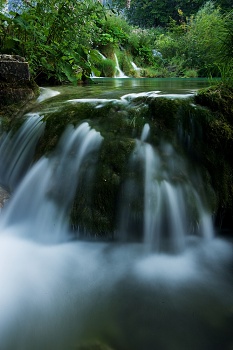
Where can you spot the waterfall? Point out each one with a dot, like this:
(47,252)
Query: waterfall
(101,55)
(53,182)
(119,73)
(58,292)
(17,150)
(135,67)
(172,209)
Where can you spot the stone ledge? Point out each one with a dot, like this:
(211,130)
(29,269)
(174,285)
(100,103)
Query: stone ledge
(13,68)
(16,88)
(14,71)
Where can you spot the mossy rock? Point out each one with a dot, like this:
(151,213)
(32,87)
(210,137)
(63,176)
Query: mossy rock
(16,98)
(96,214)
(16,88)
(218,98)
(218,147)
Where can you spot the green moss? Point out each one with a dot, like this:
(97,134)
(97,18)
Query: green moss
(164,113)
(217,146)
(219,99)
(94,209)
(99,215)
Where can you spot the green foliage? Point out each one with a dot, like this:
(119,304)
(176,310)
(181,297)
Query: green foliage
(113,32)
(190,73)
(61,40)
(196,44)
(55,36)
(203,39)
(226,59)
(168,45)
(140,45)
(151,13)
(227,43)
(226,72)
(109,68)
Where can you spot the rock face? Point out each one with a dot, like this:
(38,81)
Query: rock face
(13,69)
(16,88)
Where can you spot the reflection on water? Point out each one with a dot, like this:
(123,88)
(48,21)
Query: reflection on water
(117,87)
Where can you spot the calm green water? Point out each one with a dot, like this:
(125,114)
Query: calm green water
(117,87)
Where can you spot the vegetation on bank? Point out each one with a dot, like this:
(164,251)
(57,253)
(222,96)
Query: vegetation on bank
(68,41)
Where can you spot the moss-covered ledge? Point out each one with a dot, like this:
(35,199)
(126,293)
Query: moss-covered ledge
(17,89)
(218,99)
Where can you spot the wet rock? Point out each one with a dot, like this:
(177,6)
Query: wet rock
(4,196)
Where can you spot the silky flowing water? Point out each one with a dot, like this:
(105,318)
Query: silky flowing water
(171,290)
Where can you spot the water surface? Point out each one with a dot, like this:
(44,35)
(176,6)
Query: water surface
(117,87)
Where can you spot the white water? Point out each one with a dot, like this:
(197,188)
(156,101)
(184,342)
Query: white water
(52,182)
(172,208)
(135,67)
(16,151)
(119,72)
(56,293)
(46,93)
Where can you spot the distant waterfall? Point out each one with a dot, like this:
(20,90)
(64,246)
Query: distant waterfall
(135,67)
(119,72)
(163,203)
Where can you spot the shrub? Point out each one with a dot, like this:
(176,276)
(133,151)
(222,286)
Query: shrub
(190,73)
(203,40)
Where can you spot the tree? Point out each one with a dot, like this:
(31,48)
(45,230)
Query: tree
(152,13)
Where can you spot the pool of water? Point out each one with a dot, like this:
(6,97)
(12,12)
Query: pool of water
(108,88)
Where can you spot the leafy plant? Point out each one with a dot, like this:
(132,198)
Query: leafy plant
(55,36)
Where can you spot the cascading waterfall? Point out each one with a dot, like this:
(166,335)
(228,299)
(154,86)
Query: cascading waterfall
(52,198)
(16,151)
(63,294)
(172,209)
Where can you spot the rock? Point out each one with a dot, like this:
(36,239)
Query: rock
(16,87)
(13,68)
(4,196)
